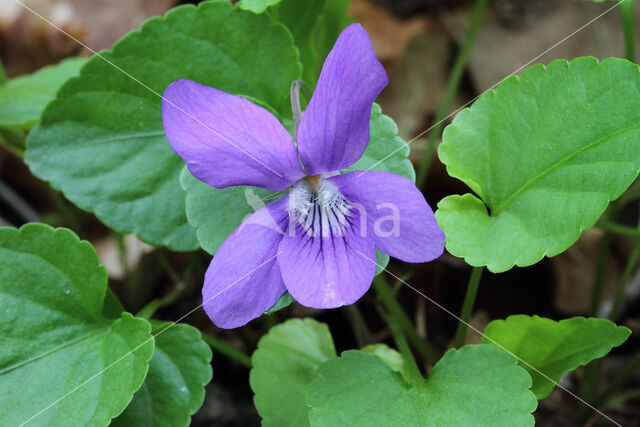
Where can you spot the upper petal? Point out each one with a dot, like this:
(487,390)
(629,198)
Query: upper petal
(226,139)
(326,268)
(243,279)
(403,223)
(334,130)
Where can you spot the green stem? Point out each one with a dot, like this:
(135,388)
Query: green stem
(13,139)
(175,294)
(3,74)
(410,364)
(619,229)
(358,324)
(467,306)
(618,381)
(601,263)
(68,216)
(227,350)
(451,89)
(17,203)
(601,268)
(626,10)
(149,310)
(426,352)
(626,275)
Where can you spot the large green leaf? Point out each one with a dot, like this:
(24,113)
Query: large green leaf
(386,150)
(23,99)
(476,385)
(174,387)
(549,348)
(102,142)
(545,153)
(283,366)
(302,19)
(215,213)
(61,362)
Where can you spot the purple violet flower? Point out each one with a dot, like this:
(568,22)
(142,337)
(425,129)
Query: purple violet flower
(318,242)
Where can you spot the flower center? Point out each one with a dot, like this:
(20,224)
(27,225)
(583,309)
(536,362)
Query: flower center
(319,208)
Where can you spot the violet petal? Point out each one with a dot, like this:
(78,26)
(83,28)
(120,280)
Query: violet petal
(228,140)
(415,236)
(334,130)
(243,279)
(329,271)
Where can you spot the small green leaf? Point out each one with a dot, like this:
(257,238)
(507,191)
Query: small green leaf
(283,366)
(54,338)
(256,6)
(174,387)
(215,213)
(544,153)
(554,348)
(102,141)
(386,150)
(22,99)
(476,385)
(390,356)
(285,301)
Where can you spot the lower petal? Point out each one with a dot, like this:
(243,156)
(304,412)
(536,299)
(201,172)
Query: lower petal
(328,269)
(402,222)
(243,280)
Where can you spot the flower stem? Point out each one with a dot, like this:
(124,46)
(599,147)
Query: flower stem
(626,10)
(618,381)
(601,263)
(227,350)
(358,325)
(626,275)
(410,365)
(619,229)
(467,306)
(450,91)
(179,287)
(426,352)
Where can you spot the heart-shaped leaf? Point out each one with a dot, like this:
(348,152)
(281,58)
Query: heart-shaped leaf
(102,141)
(554,348)
(476,385)
(283,366)
(61,362)
(545,153)
(22,99)
(174,387)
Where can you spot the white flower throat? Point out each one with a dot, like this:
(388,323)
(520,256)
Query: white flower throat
(319,208)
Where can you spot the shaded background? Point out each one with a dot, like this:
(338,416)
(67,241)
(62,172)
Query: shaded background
(417,41)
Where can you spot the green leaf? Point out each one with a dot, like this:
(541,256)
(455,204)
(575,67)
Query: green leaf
(256,6)
(386,150)
(215,213)
(390,356)
(545,153)
(334,18)
(283,366)
(174,387)
(476,385)
(22,99)
(302,19)
(554,348)
(54,338)
(102,141)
